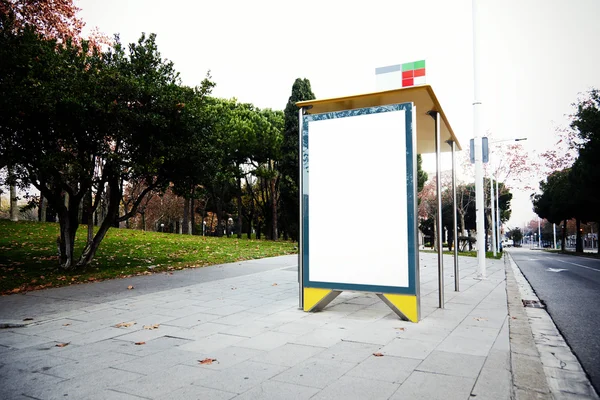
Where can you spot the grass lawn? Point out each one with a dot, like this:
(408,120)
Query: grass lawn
(29,260)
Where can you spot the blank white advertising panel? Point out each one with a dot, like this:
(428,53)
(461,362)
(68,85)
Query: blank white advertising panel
(358,200)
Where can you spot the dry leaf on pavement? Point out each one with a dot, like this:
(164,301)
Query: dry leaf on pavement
(207,361)
(130,287)
(400,329)
(139,343)
(378,354)
(151,327)
(479,319)
(66,324)
(125,324)
(274,284)
(62,344)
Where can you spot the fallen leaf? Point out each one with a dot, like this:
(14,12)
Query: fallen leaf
(378,354)
(125,324)
(274,284)
(130,287)
(62,344)
(139,343)
(401,329)
(151,327)
(479,319)
(27,319)
(66,324)
(514,317)
(207,361)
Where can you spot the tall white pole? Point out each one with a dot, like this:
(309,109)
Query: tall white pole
(498,220)
(477,130)
(554,229)
(493,212)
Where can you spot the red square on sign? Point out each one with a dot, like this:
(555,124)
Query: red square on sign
(407,82)
(419,72)
(407,74)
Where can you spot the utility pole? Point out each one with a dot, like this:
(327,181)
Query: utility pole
(480,224)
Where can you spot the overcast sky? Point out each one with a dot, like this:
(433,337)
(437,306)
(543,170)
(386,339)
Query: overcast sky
(538,55)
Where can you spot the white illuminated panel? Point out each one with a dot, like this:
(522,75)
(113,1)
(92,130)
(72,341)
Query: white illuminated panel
(358,200)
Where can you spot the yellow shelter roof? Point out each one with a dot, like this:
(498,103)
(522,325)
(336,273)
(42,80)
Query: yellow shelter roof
(423,98)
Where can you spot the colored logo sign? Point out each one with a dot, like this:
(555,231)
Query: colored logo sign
(413,73)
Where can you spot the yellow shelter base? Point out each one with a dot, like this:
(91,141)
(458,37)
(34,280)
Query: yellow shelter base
(316,299)
(405,306)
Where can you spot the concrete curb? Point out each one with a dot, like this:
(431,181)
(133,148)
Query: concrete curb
(542,363)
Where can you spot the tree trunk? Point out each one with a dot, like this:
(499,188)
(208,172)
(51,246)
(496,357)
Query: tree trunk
(578,240)
(43,208)
(469,236)
(186,216)
(239,207)
(274,209)
(193,215)
(114,197)
(14,209)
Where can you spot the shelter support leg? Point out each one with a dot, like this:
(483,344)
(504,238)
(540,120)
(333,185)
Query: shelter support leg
(405,306)
(316,299)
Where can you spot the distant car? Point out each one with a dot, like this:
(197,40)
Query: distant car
(508,243)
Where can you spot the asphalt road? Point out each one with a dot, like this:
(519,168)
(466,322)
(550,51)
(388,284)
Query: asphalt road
(570,288)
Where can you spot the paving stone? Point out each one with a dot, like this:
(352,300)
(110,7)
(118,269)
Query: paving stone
(273,390)
(429,386)
(196,392)
(409,348)
(225,357)
(321,337)
(528,373)
(267,341)
(473,345)
(241,377)
(212,343)
(388,368)
(493,384)
(357,388)
(455,364)
(158,361)
(351,352)
(165,381)
(288,355)
(315,372)
(523,394)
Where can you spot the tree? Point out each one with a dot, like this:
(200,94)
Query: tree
(75,121)
(516,235)
(288,166)
(555,202)
(585,173)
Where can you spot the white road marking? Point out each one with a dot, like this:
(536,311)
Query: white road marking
(579,265)
(556,269)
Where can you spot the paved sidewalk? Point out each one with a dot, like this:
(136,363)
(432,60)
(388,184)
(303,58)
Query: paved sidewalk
(264,347)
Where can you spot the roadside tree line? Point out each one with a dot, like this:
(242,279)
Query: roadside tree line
(101,132)
(570,191)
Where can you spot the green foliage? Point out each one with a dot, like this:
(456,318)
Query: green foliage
(288,166)
(421,175)
(516,235)
(28,258)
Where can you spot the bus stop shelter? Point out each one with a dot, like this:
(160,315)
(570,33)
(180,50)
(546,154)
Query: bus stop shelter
(358,195)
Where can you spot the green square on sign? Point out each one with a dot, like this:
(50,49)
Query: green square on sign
(419,64)
(408,66)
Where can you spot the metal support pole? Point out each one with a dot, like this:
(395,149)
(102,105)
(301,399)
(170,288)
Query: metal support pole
(454,218)
(498,219)
(477,130)
(301,216)
(438,162)
(554,229)
(493,212)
